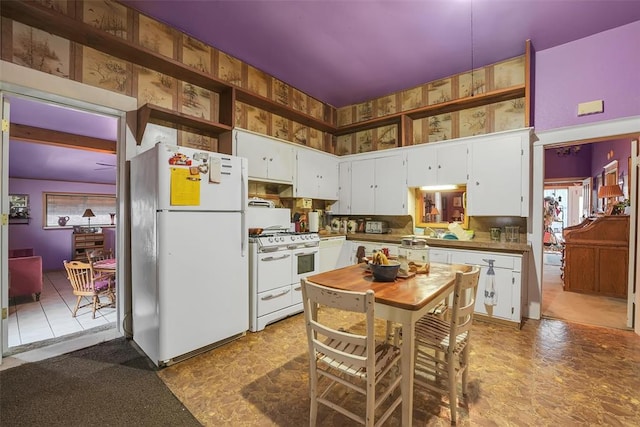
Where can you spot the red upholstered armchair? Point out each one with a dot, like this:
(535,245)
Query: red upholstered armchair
(25,274)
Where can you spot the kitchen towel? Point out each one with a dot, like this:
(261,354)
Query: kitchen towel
(314,220)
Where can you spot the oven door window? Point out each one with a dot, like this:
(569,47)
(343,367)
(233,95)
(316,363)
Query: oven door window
(305,263)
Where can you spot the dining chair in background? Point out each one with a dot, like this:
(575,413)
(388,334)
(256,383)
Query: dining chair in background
(100,255)
(339,357)
(442,342)
(87,284)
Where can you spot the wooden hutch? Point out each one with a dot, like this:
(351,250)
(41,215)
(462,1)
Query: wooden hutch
(596,256)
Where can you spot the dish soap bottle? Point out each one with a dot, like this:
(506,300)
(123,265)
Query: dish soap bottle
(490,294)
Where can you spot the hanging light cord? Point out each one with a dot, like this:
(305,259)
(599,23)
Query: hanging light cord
(472,83)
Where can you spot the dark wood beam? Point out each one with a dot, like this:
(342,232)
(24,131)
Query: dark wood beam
(62,139)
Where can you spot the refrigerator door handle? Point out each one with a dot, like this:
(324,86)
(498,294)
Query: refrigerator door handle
(244,232)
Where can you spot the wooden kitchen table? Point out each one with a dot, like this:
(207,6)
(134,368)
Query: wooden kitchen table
(403,301)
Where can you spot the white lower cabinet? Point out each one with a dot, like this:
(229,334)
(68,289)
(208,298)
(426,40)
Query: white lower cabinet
(440,256)
(369,247)
(499,288)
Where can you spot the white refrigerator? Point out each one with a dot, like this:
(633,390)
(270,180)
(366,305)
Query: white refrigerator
(189,251)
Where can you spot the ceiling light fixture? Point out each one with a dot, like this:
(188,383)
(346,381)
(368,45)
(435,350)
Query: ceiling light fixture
(568,151)
(438,187)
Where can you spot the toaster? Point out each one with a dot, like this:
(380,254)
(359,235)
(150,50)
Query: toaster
(376,227)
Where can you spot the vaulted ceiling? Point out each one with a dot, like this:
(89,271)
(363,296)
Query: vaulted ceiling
(348,51)
(338,51)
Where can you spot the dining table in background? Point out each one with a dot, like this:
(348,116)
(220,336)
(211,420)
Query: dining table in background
(403,301)
(105,266)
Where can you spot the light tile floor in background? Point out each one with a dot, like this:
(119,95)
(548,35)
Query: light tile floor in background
(32,321)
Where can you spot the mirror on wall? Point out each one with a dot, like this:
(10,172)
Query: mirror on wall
(436,209)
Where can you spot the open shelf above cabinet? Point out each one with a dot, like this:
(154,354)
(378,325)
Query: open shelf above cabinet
(64,26)
(149,113)
(436,109)
(283,111)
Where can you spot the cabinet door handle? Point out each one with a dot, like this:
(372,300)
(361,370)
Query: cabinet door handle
(477,183)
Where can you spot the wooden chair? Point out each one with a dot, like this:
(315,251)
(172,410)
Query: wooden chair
(355,361)
(442,345)
(86,283)
(100,255)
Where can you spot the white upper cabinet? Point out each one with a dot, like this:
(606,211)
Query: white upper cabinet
(379,186)
(317,175)
(437,164)
(269,159)
(499,175)
(343,205)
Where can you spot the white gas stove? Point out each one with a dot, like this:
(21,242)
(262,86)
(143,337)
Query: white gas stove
(278,260)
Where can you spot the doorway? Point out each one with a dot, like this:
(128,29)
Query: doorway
(75,168)
(51,90)
(568,201)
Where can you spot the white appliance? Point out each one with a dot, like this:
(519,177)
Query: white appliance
(330,250)
(189,251)
(278,260)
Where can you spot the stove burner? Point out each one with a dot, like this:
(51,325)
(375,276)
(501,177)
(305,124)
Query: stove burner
(285,239)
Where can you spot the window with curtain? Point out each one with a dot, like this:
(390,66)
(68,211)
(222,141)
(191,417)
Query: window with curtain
(73,205)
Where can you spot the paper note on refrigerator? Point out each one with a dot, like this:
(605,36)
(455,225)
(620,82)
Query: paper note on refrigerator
(215,171)
(185,188)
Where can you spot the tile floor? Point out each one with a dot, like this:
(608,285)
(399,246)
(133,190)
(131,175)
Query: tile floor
(33,321)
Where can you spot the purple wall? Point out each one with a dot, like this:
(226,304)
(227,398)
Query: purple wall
(603,66)
(589,161)
(54,245)
(576,165)
(621,152)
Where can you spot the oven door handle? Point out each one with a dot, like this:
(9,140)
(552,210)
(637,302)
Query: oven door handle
(272,296)
(273,249)
(274,258)
(306,253)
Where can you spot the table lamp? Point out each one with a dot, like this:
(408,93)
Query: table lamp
(434,214)
(88,213)
(609,192)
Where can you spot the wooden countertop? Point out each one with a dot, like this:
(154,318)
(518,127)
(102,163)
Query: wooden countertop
(411,293)
(479,242)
